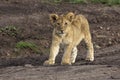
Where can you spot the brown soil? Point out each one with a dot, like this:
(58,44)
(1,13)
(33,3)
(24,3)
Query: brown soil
(32,25)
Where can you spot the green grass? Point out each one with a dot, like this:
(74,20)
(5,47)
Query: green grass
(27,45)
(57,1)
(9,30)
(69,1)
(109,2)
(77,1)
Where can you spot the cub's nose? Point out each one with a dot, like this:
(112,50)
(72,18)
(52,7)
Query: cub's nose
(62,31)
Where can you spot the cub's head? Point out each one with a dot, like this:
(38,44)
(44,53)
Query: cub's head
(62,23)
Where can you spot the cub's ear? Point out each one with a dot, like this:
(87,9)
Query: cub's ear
(53,18)
(70,16)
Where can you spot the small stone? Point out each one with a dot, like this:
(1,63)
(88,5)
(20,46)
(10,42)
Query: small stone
(8,54)
(109,42)
(112,34)
(28,65)
(97,46)
(101,36)
(108,28)
(101,27)
(118,34)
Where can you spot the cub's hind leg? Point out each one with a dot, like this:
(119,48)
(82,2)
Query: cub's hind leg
(74,55)
(90,53)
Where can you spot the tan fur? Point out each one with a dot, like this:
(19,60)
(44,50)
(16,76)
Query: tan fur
(69,30)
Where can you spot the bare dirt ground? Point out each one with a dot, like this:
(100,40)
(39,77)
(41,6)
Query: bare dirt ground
(32,25)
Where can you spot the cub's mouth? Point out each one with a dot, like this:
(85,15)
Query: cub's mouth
(60,32)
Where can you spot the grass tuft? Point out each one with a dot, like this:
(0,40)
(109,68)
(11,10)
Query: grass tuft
(9,30)
(24,45)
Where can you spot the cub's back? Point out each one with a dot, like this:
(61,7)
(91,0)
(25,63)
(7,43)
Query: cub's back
(81,23)
(80,27)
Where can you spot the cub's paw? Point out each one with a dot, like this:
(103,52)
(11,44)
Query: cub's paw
(90,59)
(48,62)
(65,62)
(72,61)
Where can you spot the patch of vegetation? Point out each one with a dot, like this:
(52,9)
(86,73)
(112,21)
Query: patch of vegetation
(9,30)
(109,2)
(57,1)
(29,45)
(76,1)
(69,1)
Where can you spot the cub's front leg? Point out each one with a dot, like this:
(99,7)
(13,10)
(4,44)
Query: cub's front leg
(54,49)
(66,60)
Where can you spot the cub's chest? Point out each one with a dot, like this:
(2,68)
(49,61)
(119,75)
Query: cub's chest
(66,40)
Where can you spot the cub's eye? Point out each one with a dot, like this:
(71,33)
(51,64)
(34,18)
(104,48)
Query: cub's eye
(65,23)
(58,23)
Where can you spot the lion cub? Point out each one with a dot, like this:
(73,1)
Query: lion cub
(69,30)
